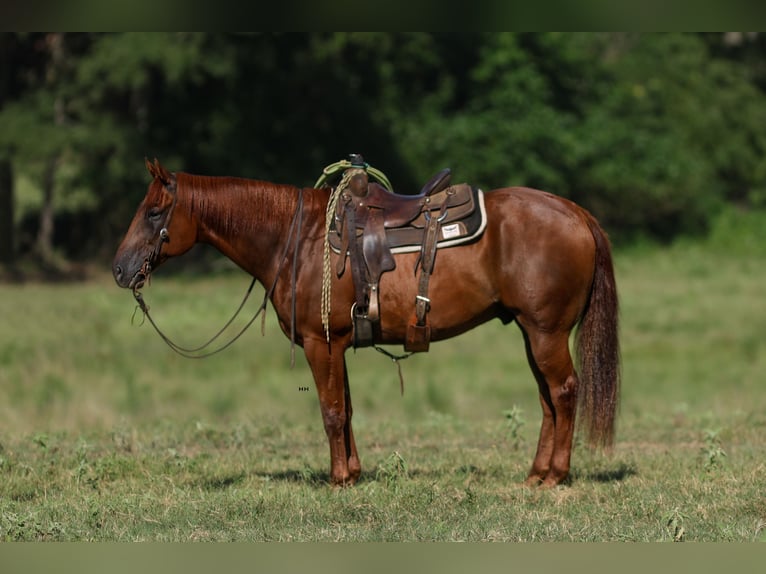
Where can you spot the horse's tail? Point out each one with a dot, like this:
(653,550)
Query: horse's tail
(598,348)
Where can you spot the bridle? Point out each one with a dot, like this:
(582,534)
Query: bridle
(162,238)
(199,352)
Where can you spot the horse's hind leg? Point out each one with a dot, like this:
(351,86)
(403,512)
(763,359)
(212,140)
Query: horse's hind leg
(331,378)
(551,363)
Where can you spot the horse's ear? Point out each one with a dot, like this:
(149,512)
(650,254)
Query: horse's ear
(158,171)
(150,168)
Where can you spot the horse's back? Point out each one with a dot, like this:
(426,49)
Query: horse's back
(523,205)
(529,217)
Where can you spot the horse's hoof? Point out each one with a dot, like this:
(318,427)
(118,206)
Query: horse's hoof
(554,481)
(343,482)
(533,481)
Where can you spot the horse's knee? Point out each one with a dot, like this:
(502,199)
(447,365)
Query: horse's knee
(334,420)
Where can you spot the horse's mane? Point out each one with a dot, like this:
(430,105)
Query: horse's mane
(234,205)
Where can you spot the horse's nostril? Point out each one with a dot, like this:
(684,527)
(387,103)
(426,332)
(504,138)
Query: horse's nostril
(117,271)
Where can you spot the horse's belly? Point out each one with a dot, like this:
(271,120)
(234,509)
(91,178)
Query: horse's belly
(461,293)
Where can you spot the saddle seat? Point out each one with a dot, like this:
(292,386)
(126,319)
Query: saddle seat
(396,209)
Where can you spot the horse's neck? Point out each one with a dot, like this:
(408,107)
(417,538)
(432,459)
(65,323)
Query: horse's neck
(248,221)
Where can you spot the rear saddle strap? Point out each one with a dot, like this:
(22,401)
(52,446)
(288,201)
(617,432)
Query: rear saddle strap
(418,337)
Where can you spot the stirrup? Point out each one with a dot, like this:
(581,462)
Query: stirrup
(362,328)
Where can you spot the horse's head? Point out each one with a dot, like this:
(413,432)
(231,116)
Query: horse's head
(158,231)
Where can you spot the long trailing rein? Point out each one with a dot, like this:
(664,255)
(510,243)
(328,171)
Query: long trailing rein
(197,352)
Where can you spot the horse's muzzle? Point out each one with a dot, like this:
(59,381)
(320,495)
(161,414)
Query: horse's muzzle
(127,281)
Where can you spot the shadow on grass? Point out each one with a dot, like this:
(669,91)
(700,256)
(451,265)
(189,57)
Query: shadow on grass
(220,482)
(313,477)
(306,476)
(617,474)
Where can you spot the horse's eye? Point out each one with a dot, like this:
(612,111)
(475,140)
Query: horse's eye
(154,214)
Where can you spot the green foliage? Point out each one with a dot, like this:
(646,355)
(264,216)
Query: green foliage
(674,521)
(711,451)
(634,127)
(652,132)
(515,421)
(736,230)
(392,470)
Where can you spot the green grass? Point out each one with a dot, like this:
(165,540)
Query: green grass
(105,434)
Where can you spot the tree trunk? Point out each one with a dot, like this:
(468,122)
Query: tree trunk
(6,212)
(7,45)
(45,230)
(47,213)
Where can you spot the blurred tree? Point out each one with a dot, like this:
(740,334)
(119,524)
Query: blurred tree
(640,167)
(652,132)
(135,96)
(55,70)
(7,58)
(675,137)
(34,124)
(647,130)
(740,62)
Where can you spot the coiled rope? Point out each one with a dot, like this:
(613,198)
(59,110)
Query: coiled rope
(349,171)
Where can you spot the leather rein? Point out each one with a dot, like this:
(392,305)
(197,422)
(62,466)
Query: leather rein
(200,351)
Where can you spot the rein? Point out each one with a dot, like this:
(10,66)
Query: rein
(197,352)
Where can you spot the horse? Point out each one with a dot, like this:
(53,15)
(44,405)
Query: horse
(543,262)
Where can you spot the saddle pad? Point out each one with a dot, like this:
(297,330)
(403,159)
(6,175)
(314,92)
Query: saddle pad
(452,232)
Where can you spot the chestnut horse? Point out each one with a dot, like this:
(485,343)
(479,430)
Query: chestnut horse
(543,262)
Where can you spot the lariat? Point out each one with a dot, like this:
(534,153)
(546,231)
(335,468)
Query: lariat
(326,266)
(351,168)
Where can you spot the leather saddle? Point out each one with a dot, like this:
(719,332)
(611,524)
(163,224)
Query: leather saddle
(372,223)
(399,210)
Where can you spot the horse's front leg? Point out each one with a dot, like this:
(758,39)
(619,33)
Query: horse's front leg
(328,364)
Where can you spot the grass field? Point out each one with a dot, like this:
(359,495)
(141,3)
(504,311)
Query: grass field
(105,434)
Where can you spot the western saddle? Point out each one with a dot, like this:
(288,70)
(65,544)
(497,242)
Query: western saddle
(371,223)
